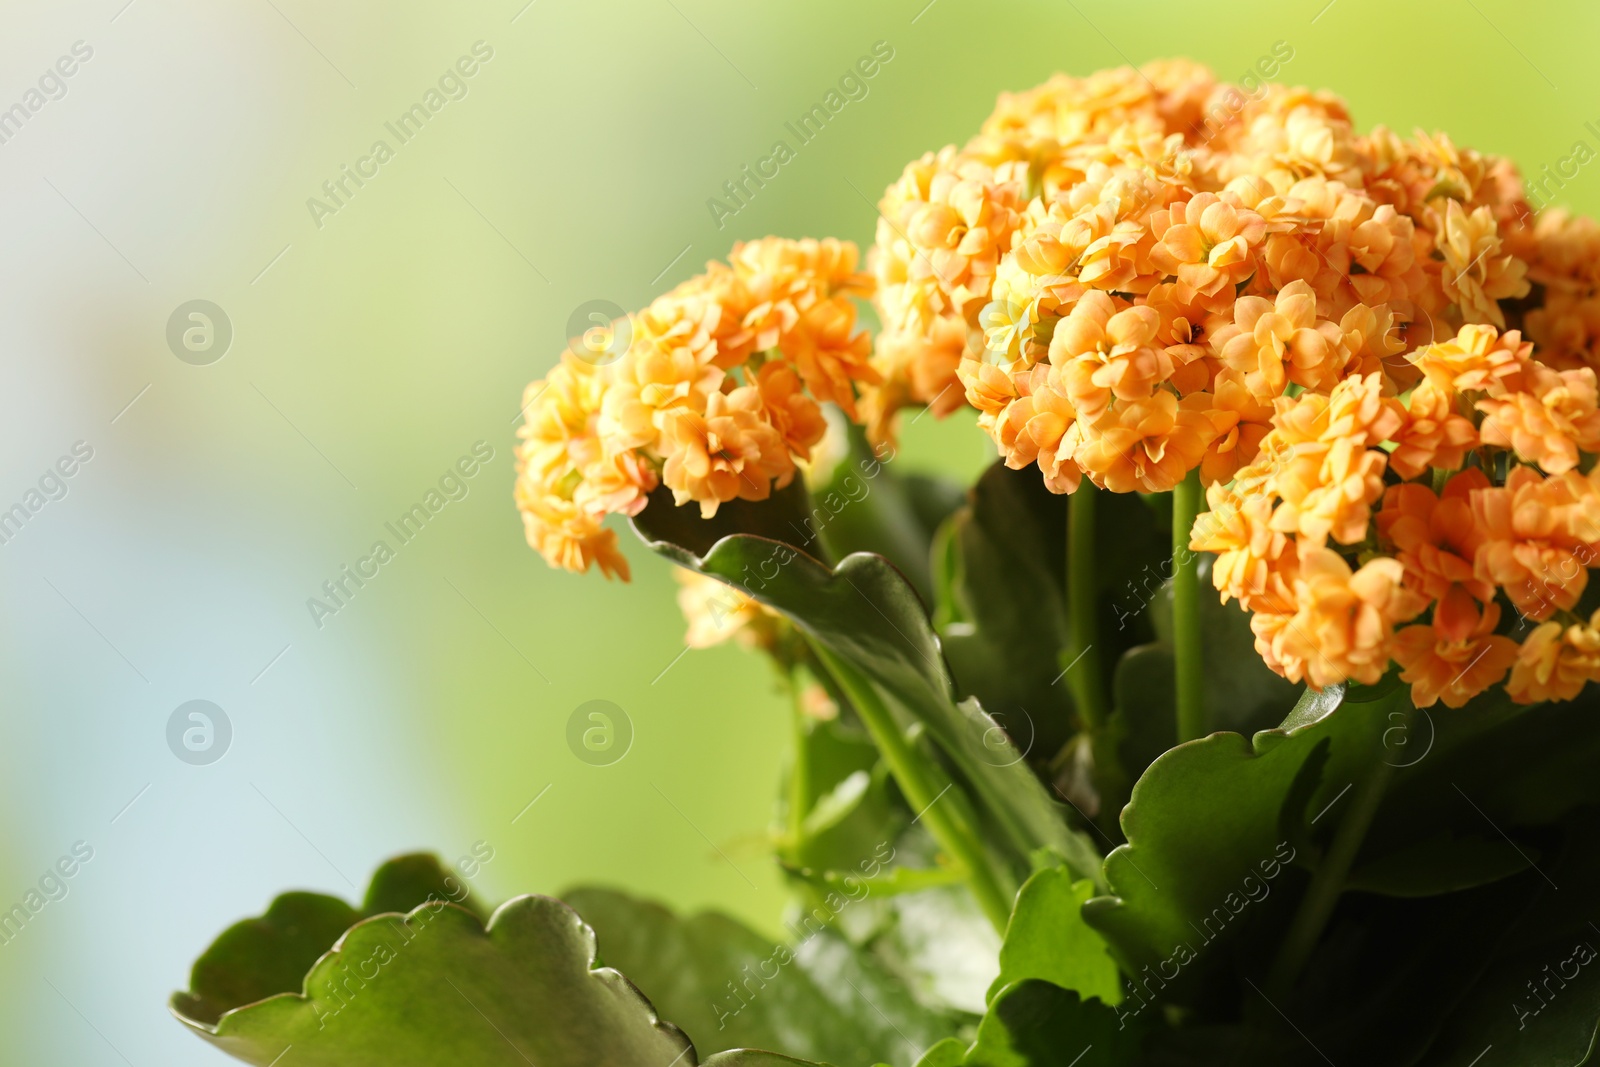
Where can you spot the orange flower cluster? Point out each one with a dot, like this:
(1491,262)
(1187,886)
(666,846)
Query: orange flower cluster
(1123,273)
(1375,356)
(1144,273)
(1502,516)
(717,396)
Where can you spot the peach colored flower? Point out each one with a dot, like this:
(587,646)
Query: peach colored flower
(567,536)
(796,417)
(1436,538)
(915,369)
(1042,427)
(1453,669)
(1273,342)
(1208,243)
(831,357)
(1255,564)
(1330,471)
(1433,434)
(1146,445)
(717,612)
(1104,352)
(1529,545)
(1476,275)
(1556,661)
(647,384)
(1477,360)
(1342,627)
(1550,422)
(942,229)
(1242,423)
(730,452)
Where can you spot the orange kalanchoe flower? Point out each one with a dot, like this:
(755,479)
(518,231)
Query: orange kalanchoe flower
(1433,434)
(717,612)
(1342,627)
(1454,669)
(1436,538)
(1556,662)
(1105,352)
(1477,360)
(717,396)
(1535,539)
(1550,422)
(1209,243)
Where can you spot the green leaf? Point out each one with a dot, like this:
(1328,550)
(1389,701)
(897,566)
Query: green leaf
(430,986)
(867,506)
(1442,863)
(256,958)
(1048,939)
(1012,537)
(1209,833)
(435,986)
(852,807)
(951,1052)
(865,613)
(1539,1003)
(406,881)
(728,987)
(1036,1024)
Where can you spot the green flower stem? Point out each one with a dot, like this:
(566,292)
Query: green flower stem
(1082,664)
(1316,907)
(918,780)
(1186,627)
(799,768)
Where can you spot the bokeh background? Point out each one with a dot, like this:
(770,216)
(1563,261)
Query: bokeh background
(370,352)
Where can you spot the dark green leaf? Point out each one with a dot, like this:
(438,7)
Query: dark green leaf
(1539,1003)
(259,957)
(1208,835)
(256,958)
(1048,939)
(436,987)
(728,987)
(1036,1024)
(866,613)
(406,881)
(867,506)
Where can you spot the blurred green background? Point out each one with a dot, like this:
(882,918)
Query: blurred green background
(372,351)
